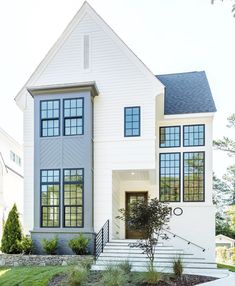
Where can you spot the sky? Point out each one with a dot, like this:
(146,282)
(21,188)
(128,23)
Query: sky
(169,36)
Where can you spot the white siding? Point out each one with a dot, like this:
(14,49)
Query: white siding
(122,81)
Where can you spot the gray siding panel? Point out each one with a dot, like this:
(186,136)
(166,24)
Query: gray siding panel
(65,152)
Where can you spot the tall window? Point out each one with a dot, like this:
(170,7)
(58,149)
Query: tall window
(73,116)
(132,121)
(73,197)
(169,136)
(194,135)
(170,177)
(50,198)
(194,176)
(50,118)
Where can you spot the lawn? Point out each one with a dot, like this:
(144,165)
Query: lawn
(229,267)
(29,276)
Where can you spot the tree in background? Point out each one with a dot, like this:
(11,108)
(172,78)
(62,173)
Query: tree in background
(224,199)
(227,144)
(12,233)
(233,6)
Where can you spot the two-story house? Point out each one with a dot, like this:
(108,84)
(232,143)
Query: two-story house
(101,130)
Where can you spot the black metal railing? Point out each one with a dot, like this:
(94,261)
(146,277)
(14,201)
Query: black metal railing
(101,238)
(188,242)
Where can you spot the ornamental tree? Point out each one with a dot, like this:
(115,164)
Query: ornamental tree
(151,218)
(12,233)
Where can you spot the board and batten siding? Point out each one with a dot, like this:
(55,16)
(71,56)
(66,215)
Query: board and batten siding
(122,80)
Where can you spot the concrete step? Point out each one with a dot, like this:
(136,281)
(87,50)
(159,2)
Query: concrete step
(140,252)
(127,241)
(105,256)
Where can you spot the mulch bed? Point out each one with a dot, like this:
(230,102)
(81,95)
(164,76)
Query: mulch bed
(94,277)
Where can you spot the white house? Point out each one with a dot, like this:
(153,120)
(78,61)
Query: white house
(101,130)
(223,240)
(11,176)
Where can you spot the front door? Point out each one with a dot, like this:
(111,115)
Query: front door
(130,199)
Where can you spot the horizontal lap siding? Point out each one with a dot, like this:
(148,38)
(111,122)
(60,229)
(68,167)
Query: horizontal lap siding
(121,82)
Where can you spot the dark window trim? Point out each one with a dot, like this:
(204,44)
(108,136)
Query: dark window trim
(47,119)
(63,205)
(41,170)
(179,177)
(160,127)
(204,134)
(139,107)
(74,117)
(204,161)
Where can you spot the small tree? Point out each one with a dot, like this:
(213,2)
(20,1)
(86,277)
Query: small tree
(12,233)
(151,218)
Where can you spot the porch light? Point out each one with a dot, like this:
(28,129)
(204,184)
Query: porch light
(132,173)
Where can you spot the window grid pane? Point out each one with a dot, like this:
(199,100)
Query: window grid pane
(170,177)
(73,197)
(194,135)
(194,169)
(132,121)
(50,198)
(169,136)
(50,113)
(73,116)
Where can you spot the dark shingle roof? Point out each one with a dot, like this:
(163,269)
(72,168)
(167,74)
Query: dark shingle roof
(187,93)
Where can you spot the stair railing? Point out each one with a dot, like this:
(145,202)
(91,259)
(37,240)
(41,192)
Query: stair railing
(101,238)
(188,242)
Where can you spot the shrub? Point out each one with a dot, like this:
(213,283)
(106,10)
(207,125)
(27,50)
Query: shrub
(125,266)
(221,253)
(50,245)
(27,245)
(178,267)
(151,276)
(114,276)
(79,244)
(77,276)
(12,233)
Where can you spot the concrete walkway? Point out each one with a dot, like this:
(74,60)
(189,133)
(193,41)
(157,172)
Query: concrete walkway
(227,281)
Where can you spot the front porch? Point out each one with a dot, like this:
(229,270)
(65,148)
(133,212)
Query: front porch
(128,186)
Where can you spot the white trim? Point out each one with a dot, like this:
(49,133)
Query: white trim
(188,115)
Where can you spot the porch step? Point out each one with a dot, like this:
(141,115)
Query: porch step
(117,251)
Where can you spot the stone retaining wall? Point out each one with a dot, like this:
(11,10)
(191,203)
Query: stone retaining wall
(41,260)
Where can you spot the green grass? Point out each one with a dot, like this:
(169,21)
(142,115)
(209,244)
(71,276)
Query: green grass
(229,267)
(29,276)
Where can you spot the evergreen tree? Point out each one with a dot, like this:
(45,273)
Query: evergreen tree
(12,233)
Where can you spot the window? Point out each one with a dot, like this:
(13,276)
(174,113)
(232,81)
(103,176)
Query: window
(15,158)
(50,198)
(132,121)
(194,135)
(73,197)
(169,136)
(50,118)
(73,116)
(194,168)
(170,177)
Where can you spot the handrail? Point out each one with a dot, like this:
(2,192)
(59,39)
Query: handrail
(189,242)
(101,238)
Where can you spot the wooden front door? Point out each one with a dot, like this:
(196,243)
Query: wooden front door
(130,199)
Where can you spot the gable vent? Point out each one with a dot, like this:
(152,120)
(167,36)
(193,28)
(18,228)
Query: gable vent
(86,51)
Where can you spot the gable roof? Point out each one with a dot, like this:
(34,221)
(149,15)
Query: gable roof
(187,93)
(85,9)
(225,237)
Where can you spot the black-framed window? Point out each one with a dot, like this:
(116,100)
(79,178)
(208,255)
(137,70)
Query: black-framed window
(73,197)
(73,116)
(50,118)
(194,135)
(132,121)
(50,198)
(169,177)
(194,176)
(169,136)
